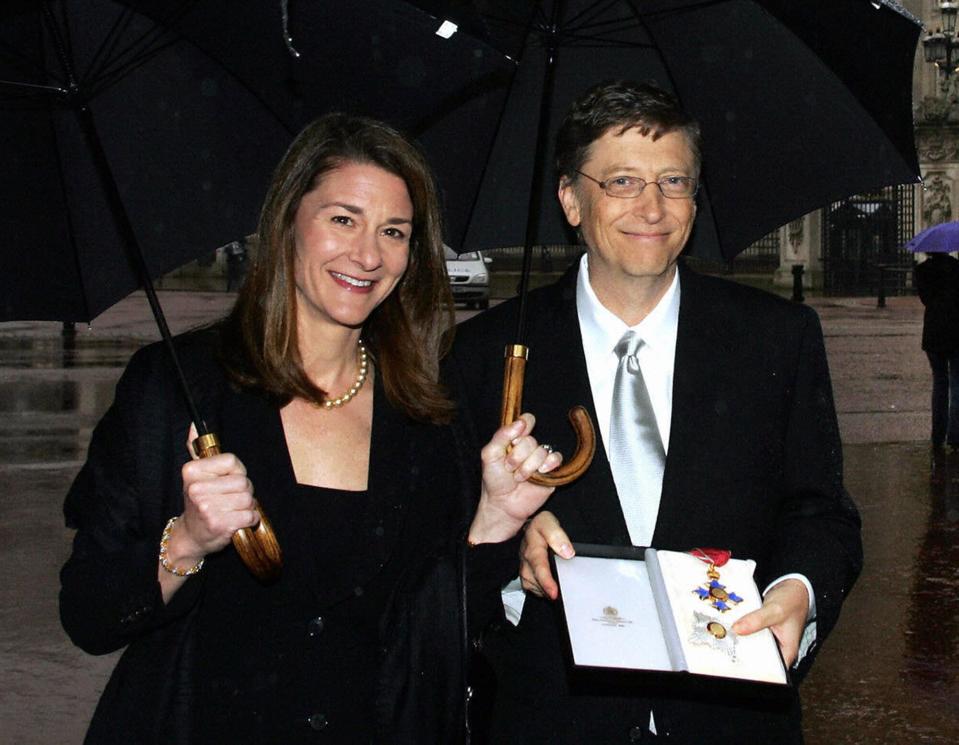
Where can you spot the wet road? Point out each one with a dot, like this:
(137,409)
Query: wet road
(888,673)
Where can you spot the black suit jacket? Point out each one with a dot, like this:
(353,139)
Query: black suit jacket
(754,464)
(110,597)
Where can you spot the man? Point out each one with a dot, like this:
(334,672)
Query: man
(937,280)
(742,423)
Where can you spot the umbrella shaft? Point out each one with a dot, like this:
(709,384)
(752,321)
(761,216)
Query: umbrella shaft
(536,183)
(134,253)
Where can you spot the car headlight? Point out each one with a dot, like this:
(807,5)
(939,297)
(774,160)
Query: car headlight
(480,279)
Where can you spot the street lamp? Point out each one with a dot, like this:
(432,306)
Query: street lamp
(941,48)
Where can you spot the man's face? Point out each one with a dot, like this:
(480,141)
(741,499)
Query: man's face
(638,238)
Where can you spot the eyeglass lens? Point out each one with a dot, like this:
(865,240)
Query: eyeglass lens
(673,187)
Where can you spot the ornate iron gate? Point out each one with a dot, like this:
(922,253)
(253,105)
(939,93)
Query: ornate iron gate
(863,234)
(761,256)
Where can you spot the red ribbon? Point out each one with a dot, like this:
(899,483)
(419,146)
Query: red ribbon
(715,556)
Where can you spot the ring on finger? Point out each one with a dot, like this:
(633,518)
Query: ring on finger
(548,448)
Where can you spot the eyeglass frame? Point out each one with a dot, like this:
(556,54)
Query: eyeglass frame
(645,183)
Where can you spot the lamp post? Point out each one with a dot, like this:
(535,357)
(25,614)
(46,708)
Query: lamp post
(941,47)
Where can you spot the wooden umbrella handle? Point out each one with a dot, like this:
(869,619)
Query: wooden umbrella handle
(514,373)
(257,547)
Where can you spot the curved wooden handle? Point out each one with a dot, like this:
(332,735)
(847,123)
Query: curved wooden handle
(576,466)
(514,373)
(257,547)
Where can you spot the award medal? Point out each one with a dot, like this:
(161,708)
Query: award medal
(713,633)
(712,590)
(709,630)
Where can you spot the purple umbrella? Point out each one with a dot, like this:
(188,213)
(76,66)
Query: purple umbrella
(942,238)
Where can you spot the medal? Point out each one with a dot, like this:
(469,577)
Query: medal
(712,590)
(712,632)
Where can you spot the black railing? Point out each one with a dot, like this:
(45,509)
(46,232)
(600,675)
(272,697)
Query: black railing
(545,258)
(893,279)
(864,232)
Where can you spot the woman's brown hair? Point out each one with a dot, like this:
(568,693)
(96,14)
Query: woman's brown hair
(406,334)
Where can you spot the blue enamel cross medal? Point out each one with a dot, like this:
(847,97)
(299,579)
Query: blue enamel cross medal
(712,590)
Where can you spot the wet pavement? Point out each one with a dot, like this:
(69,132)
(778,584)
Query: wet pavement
(888,674)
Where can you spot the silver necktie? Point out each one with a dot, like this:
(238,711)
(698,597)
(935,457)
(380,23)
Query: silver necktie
(636,454)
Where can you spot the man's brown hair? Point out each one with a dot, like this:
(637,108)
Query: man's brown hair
(621,105)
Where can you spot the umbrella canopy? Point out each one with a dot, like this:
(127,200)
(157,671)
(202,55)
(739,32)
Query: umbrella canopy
(791,118)
(942,238)
(166,119)
(192,103)
(133,147)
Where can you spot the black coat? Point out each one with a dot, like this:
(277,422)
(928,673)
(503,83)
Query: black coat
(110,597)
(754,464)
(937,280)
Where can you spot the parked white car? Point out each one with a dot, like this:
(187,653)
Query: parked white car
(469,277)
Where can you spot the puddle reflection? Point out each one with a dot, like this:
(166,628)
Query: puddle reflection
(932,630)
(888,672)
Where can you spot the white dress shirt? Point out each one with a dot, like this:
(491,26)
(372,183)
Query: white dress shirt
(601,330)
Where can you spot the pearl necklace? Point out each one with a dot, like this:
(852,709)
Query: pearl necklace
(357,384)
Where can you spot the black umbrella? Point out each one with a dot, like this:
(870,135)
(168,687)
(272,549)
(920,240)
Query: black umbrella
(192,103)
(390,59)
(140,135)
(794,113)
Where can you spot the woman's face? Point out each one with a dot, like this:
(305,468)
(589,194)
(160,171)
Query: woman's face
(352,233)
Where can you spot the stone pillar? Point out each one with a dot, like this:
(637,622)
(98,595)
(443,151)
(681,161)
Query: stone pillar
(937,142)
(800,242)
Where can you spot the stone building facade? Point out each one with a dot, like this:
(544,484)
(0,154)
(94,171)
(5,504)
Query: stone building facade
(936,104)
(841,261)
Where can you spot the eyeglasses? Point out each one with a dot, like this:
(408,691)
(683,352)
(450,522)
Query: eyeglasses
(628,187)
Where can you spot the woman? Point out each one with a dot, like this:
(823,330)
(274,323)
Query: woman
(323,385)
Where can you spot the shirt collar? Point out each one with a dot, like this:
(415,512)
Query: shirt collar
(602,329)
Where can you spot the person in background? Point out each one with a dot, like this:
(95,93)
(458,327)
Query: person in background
(322,384)
(937,280)
(236,261)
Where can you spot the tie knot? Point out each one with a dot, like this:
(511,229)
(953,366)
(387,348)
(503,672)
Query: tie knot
(628,345)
